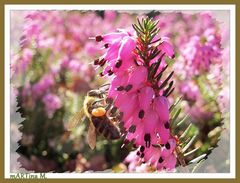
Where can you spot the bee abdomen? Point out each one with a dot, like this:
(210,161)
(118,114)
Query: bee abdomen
(106,128)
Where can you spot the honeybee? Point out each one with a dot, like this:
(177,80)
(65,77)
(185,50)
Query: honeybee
(103,117)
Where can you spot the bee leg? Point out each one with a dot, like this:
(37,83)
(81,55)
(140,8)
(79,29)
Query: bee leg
(104,85)
(108,106)
(97,101)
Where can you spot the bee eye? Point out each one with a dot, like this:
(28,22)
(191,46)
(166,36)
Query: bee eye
(98,112)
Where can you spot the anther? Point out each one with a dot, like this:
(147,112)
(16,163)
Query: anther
(142,148)
(167,145)
(138,153)
(120,88)
(142,155)
(110,72)
(102,62)
(147,139)
(96,62)
(99,38)
(101,74)
(141,114)
(134,146)
(132,129)
(166,125)
(118,64)
(106,45)
(128,88)
(126,141)
(160,160)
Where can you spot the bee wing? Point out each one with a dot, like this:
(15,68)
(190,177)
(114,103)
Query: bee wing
(75,120)
(91,136)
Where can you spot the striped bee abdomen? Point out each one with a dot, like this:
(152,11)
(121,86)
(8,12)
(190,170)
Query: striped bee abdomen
(106,128)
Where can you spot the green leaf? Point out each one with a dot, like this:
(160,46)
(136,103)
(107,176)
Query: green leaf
(182,121)
(199,158)
(189,143)
(175,104)
(175,116)
(185,133)
(140,25)
(191,152)
(166,92)
(166,80)
(198,165)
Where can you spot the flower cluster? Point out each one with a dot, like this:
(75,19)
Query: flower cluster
(196,38)
(136,64)
(201,43)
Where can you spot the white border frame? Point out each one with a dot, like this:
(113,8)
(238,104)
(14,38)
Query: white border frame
(177,7)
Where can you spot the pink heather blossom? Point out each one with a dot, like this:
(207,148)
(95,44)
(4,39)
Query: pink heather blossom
(110,15)
(190,91)
(43,85)
(52,103)
(145,111)
(166,47)
(201,52)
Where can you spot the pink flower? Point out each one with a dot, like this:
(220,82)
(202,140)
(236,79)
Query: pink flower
(119,56)
(43,85)
(166,47)
(201,52)
(145,109)
(110,15)
(52,103)
(190,91)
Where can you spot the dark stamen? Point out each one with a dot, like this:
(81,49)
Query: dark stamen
(118,64)
(141,114)
(96,62)
(106,45)
(126,141)
(147,138)
(101,74)
(138,153)
(167,145)
(110,72)
(142,148)
(142,155)
(166,125)
(120,88)
(99,38)
(102,62)
(128,88)
(160,160)
(132,129)
(134,146)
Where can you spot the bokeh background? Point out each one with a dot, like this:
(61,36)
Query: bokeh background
(51,72)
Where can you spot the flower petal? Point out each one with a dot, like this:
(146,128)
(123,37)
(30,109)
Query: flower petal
(145,97)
